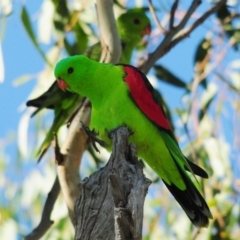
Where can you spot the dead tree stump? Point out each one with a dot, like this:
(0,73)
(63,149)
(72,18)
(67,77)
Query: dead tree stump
(112,199)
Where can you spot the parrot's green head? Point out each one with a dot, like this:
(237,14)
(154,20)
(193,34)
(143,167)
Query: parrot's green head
(133,25)
(70,71)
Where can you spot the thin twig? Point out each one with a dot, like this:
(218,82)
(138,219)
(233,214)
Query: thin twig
(45,222)
(199,78)
(196,234)
(197,23)
(185,127)
(189,13)
(163,48)
(155,18)
(172,14)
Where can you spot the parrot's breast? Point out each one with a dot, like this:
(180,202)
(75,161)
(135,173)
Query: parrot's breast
(120,110)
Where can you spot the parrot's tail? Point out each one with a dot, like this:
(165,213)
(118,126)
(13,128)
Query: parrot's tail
(191,201)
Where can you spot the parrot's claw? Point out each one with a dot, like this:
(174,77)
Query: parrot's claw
(93,137)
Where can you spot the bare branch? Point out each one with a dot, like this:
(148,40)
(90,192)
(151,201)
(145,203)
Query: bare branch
(109,35)
(163,47)
(189,13)
(45,222)
(197,23)
(72,150)
(172,14)
(155,18)
(199,78)
(167,42)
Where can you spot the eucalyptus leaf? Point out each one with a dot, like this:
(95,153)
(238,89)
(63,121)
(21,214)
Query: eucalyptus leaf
(163,74)
(29,28)
(225,17)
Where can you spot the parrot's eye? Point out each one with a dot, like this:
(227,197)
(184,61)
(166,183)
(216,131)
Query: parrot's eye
(136,21)
(70,70)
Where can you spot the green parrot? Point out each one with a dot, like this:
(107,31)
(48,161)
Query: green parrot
(122,95)
(132,26)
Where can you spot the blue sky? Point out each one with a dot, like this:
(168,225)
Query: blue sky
(20,58)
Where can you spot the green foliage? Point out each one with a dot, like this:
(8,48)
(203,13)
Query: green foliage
(202,58)
(167,76)
(28,26)
(225,16)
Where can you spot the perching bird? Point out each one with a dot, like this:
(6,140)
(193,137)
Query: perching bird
(122,95)
(132,26)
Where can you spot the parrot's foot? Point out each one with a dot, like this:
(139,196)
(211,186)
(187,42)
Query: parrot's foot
(93,137)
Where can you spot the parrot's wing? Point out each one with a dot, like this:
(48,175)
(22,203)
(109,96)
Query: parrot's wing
(141,92)
(49,99)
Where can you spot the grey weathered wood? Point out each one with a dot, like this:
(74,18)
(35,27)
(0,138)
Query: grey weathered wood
(111,204)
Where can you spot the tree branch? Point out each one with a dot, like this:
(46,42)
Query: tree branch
(167,42)
(155,18)
(172,14)
(72,151)
(197,23)
(45,222)
(109,35)
(113,196)
(163,47)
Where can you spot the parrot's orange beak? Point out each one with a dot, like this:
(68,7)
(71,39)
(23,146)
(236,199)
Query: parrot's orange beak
(147,31)
(62,84)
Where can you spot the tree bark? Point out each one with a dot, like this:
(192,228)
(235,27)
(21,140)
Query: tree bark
(112,199)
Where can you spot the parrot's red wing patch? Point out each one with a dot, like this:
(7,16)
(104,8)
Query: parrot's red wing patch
(141,92)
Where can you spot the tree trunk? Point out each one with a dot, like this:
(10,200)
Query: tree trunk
(112,199)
